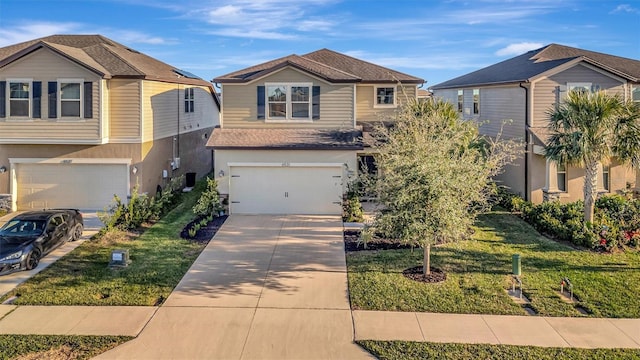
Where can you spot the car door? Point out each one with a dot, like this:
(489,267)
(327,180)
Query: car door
(55,233)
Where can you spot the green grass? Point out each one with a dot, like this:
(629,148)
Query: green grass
(479,271)
(402,350)
(83,347)
(159,257)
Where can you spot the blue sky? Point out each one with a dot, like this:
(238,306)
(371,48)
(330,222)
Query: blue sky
(434,40)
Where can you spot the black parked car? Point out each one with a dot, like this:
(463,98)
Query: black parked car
(28,236)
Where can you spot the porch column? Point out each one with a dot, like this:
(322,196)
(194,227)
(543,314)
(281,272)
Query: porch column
(551,176)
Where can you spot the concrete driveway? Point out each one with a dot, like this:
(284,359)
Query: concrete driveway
(266,287)
(91,226)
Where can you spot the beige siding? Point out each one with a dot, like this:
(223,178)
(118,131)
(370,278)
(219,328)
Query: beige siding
(365,95)
(44,65)
(544,91)
(502,108)
(163,110)
(124,96)
(240,103)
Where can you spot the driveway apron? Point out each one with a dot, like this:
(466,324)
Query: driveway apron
(266,287)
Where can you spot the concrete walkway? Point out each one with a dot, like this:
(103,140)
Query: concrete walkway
(269,287)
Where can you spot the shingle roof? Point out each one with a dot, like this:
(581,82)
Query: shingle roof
(326,64)
(526,66)
(298,139)
(103,56)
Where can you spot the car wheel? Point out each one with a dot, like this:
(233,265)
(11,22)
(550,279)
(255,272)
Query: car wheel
(33,259)
(76,234)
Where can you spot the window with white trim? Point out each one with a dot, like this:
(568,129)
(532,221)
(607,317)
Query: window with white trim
(70,98)
(583,86)
(189,100)
(561,171)
(19,98)
(476,101)
(288,101)
(460,100)
(385,96)
(605,177)
(635,94)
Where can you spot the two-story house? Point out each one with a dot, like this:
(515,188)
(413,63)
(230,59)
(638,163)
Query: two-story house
(523,90)
(291,129)
(83,118)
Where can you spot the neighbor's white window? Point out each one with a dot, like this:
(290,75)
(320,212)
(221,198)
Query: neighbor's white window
(289,102)
(70,98)
(189,100)
(460,100)
(19,98)
(635,94)
(476,101)
(583,86)
(385,96)
(561,171)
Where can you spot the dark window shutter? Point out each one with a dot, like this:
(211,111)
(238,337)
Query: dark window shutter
(315,102)
(36,105)
(3,98)
(53,101)
(88,100)
(261,110)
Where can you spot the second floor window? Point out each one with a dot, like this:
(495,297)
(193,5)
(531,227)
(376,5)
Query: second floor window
(476,101)
(288,101)
(385,96)
(460,100)
(19,96)
(189,100)
(70,99)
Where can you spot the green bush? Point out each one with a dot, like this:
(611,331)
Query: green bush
(351,207)
(209,202)
(167,198)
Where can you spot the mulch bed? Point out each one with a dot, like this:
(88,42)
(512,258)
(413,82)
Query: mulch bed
(206,232)
(352,243)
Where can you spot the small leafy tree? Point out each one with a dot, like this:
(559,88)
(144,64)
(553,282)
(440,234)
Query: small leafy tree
(435,174)
(589,128)
(209,201)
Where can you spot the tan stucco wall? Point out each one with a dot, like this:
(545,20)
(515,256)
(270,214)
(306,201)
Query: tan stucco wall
(223,157)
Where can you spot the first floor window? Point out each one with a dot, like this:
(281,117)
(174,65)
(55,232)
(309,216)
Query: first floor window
(476,101)
(385,96)
(460,100)
(561,170)
(19,96)
(70,99)
(635,94)
(189,100)
(367,165)
(605,177)
(288,101)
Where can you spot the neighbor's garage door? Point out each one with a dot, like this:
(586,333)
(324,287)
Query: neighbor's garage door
(82,186)
(286,190)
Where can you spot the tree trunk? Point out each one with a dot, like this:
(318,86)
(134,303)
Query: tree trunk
(426,261)
(590,189)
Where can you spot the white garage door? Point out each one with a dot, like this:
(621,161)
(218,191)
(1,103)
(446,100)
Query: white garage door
(82,186)
(285,190)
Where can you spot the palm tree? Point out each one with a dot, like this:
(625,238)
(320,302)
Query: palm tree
(591,128)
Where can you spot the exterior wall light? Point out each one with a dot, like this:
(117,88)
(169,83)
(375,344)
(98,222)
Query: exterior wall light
(221,173)
(3,169)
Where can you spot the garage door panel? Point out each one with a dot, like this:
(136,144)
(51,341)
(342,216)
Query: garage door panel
(286,190)
(84,186)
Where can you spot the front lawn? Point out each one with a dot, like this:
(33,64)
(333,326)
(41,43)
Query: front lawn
(479,271)
(159,258)
(403,350)
(56,346)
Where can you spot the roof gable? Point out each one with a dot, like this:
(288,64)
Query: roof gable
(325,64)
(527,66)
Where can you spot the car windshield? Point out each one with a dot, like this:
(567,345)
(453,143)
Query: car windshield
(22,228)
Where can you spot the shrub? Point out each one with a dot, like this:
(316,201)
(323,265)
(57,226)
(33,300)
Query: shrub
(209,201)
(126,216)
(351,207)
(167,198)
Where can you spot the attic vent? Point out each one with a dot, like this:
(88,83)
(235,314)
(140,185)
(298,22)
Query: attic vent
(186,74)
(133,51)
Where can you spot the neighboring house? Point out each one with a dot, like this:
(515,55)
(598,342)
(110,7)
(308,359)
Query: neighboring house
(83,118)
(291,129)
(524,90)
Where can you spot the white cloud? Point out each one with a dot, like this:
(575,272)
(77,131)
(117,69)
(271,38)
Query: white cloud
(16,34)
(625,8)
(518,48)
(135,37)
